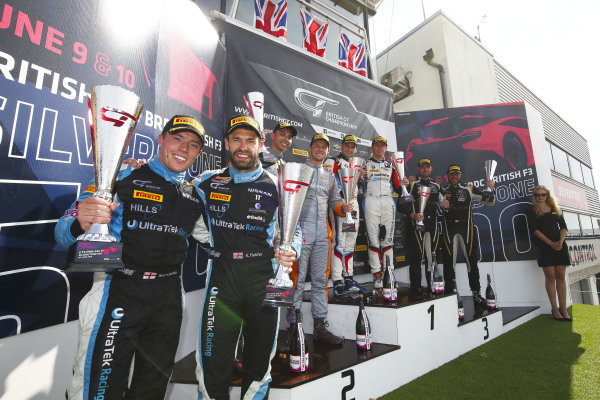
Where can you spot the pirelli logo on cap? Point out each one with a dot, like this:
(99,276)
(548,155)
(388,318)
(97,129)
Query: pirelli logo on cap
(90,189)
(245,120)
(138,194)
(299,152)
(220,196)
(188,121)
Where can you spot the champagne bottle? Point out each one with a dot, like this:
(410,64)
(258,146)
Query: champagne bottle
(389,283)
(363,328)
(490,296)
(461,307)
(298,353)
(437,279)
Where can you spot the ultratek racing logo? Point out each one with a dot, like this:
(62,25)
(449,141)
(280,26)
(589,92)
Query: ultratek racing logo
(108,352)
(210,321)
(150,226)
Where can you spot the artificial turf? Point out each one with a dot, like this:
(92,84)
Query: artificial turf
(541,359)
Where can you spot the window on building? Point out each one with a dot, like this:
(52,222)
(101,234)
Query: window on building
(575,169)
(550,155)
(587,225)
(572,221)
(561,163)
(588,178)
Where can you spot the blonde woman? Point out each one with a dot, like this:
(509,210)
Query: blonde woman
(550,229)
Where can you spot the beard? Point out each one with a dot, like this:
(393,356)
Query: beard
(247,165)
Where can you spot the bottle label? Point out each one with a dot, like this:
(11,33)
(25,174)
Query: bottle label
(461,312)
(438,287)
(390,294)
(363,342)
(491,303)
(299,363)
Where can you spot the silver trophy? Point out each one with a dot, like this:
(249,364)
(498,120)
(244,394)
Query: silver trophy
(349,176)
(398,158)
(255,103)
(424,192)
(294,181)
(490,168)
(114,113)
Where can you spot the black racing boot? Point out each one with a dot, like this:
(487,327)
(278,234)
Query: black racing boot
(322,334)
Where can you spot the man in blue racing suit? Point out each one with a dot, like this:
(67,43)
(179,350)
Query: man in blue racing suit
(135,313)
(241,205)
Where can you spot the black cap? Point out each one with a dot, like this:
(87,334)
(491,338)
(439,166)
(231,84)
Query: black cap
(350,139)
(380,139)
(283,125)
(453,168)
(180,123)
(243,121)
(319,136)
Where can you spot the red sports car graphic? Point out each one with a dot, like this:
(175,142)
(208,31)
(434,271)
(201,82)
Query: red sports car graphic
(508,137)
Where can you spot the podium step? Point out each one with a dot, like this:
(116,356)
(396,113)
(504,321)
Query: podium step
(326,363)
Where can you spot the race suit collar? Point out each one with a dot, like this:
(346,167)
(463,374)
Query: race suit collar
(243,177)
(158,167)
(343,157)
(376,160)
(274,152)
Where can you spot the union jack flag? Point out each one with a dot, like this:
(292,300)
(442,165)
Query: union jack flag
(271,17)
(238,256)
(351,56)
(315,33)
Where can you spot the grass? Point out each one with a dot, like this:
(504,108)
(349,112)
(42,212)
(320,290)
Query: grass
(541,359)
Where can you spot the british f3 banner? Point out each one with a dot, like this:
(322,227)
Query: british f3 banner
(315,33)
(351,56)
(271,17)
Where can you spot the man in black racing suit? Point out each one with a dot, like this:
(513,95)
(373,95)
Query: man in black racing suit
(422,244)
(137,310)
(241,203)
(459,231)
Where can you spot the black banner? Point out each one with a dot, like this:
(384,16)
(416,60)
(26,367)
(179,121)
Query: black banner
(468,136)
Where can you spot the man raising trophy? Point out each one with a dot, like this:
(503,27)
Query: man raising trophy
(118,316)
(241,205)
(344,240)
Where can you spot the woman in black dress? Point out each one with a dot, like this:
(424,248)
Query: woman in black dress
(550,229)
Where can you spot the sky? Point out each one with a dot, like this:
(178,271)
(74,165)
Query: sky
(550,46)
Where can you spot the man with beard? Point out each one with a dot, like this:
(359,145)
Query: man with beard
(241,203)
(134,313)
(381,181)
(458,228)
(423,244)
(316,240)
(281,140)
(342,254)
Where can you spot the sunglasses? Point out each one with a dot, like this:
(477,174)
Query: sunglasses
(540,195)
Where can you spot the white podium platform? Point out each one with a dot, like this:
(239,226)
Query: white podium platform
(411,338)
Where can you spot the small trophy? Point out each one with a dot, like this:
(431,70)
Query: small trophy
(490,168)
(349,177)
(114,113)
(255,103)
(398,158)
(294,180)
(424,192)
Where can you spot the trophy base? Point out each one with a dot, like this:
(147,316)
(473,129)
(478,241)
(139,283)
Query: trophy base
(421,228)
(349,227)
(279,296)
(88,256)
